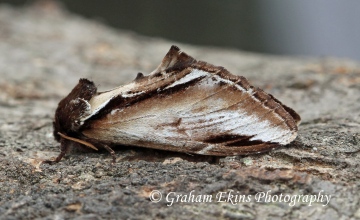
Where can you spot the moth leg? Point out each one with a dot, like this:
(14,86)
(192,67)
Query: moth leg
(112,152)
(63,150)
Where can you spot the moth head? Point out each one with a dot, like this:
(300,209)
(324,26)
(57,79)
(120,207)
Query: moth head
(73,107)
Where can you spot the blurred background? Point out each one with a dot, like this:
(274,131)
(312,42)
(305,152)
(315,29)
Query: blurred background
(303,28)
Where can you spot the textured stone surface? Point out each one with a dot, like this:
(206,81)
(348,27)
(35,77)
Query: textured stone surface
(43,53)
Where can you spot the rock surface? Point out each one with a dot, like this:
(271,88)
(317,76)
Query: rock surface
(45,50)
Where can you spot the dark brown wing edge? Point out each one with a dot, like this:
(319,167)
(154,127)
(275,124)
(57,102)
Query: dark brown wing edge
(291,111)
(237,145)
(242,150)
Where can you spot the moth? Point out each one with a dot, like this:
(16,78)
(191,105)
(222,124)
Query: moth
(184,105)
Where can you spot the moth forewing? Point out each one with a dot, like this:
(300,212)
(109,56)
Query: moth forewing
(186,106)
(184,120)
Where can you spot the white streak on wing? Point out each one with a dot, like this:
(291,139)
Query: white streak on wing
(146,128)
(282,136)
(274,135)
(116,111)
(189,77)
(86,112)
(94,111)
(206,149)
(235,123)
(128,95)
(230,83)
(200,73)
(262,130)
(210,119)
(98,102)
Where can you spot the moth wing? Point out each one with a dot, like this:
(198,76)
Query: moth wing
(208,117)
(197,108)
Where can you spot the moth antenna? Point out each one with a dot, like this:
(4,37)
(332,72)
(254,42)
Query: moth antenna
(78,141)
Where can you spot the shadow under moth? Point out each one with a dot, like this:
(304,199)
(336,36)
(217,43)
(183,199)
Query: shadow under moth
(184,105)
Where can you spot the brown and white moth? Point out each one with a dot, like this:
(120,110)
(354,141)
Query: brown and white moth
(184,105)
